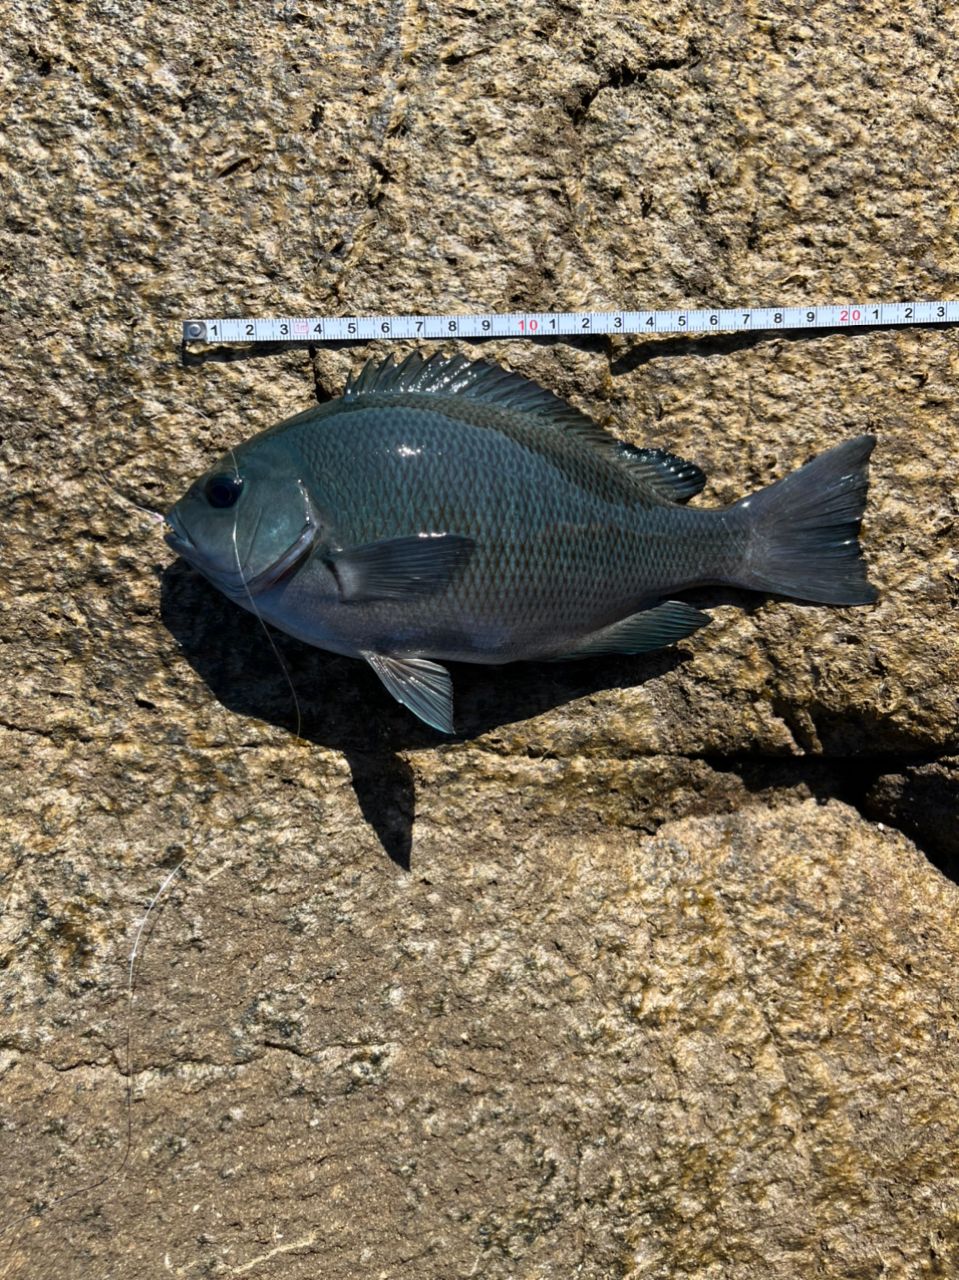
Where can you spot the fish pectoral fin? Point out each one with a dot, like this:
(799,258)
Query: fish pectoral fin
(424,687)
(399,567)
(641,632)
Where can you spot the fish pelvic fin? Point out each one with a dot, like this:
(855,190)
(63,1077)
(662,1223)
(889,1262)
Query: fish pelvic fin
(424,687)
(803,530)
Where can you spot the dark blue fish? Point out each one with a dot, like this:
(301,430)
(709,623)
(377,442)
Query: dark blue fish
(443,510)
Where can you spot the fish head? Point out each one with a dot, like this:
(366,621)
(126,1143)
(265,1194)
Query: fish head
(248,523)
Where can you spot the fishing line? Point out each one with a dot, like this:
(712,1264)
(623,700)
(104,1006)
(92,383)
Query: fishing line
(155,517)
(117,1169)
(255,610)
(581,324)
(135,951)
(147,922)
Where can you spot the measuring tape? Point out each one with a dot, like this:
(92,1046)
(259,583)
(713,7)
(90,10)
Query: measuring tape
(548,324)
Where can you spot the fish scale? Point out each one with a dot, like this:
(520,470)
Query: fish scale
(448,510)
(557,547)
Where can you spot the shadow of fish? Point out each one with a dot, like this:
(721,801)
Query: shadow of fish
(448,510)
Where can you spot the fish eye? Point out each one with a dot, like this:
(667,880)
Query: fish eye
(222,490)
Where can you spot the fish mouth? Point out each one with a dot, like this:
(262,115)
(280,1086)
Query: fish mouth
(235,583)
(177,537)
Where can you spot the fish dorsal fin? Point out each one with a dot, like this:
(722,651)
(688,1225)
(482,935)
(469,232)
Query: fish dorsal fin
(441,375)
(668,477)
(672,478)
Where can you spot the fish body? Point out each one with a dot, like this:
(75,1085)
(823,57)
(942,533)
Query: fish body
(442,510)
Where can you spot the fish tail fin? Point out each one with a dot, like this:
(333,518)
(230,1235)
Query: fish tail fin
(803,530)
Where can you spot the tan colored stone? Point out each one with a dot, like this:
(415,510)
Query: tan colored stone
(662,994)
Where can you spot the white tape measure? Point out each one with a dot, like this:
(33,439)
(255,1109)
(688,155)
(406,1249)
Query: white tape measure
(548,324)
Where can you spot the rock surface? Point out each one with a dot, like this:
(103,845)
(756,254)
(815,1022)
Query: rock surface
(650,974)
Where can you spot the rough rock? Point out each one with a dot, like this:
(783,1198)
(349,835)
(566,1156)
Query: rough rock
(652,971)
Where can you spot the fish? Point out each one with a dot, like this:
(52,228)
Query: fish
(443,510)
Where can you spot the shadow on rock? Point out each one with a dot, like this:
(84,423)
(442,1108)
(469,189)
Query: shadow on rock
(343,706)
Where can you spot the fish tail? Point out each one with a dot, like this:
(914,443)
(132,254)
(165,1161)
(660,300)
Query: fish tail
(803,530)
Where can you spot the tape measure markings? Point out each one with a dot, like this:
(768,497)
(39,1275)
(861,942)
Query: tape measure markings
(539,324)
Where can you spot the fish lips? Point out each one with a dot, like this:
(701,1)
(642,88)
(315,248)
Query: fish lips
(236,584)
(177,537)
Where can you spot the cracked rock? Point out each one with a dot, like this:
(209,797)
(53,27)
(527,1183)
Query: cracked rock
(652,971)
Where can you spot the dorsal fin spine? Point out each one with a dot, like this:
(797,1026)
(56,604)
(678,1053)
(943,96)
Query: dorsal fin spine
(668,477)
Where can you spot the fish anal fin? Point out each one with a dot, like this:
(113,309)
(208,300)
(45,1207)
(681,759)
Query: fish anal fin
(422,686)
(395,568)
(640,632)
